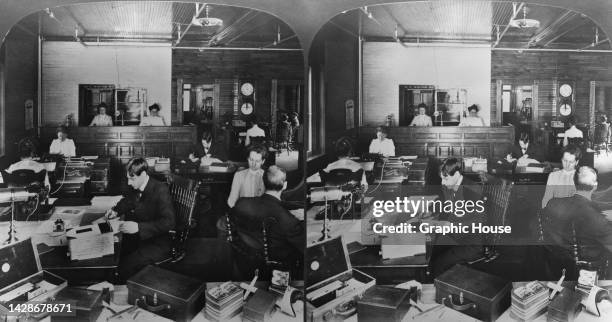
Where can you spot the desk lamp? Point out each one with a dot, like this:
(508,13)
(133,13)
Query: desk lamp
(13,195)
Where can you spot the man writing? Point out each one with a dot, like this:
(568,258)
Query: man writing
(148,217)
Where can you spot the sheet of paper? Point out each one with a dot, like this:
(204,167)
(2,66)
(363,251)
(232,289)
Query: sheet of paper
(105,202)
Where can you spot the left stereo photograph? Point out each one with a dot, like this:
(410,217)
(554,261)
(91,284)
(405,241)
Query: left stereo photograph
(151,164)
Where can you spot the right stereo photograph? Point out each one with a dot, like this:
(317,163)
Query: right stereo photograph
(459,164)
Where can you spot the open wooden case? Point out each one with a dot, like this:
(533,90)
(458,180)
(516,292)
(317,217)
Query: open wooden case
(331,281)
(22,278)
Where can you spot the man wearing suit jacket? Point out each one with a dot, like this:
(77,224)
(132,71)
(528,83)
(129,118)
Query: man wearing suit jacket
(593,230)
(285,233)
(149,215)
(452,249)
(207,148)
(526,148)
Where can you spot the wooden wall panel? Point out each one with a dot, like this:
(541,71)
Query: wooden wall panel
(224,66)
(549,66)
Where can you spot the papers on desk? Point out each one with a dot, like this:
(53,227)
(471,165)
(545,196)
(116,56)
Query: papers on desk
(408,157)
(89,157)
(92,241)
(207,161)
(104,202)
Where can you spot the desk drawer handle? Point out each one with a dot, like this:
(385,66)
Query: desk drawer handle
(142,302)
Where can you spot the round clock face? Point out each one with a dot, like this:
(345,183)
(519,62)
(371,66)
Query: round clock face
(565,109)
(246,89)
(246,108)
(565,90)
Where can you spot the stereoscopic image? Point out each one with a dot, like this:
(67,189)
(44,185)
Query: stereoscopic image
(305,160)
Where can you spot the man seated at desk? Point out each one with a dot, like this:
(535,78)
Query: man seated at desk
(63,145)
(452,249)
(560,183)
(472,119)
(422,119)
(249,182)
(149,216)
(593,231)
(206,151)
(154,119)
(285,233)
(525,149)
(102,119)
(381,144)
(344,162)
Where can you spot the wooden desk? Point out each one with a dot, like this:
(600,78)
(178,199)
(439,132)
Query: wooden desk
(57,261)
(446,141)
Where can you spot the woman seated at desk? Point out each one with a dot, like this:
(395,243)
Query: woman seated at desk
(344,162)
(101,119)
(63,145)
(249,182)
(206,151)
(572,132)
(422,119)
(472,119)
(154,119)
(382,145)
(254,131)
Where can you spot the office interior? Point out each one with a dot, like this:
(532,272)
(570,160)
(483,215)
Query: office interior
(376,66)
(347,49)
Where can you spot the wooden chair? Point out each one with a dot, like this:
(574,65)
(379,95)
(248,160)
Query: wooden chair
(253,253)
(496,194)
(339,177)
(600,265)
(24,178)
(184,194)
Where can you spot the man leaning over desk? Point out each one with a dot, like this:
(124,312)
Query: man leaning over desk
(148,217)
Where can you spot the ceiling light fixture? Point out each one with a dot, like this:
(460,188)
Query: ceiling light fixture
(524,22)
(207,21)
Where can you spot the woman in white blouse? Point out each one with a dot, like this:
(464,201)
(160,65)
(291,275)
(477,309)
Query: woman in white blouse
(422,119)
(154,119)
(382,145)
(63,145)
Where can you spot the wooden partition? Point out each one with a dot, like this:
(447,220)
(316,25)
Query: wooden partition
(444,142)
(125,142)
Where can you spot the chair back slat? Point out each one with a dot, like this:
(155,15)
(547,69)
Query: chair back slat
(184,194)
(497,192)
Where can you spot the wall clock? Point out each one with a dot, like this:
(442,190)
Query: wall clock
(246,108)
(565,90)
(565,109)
(247,89)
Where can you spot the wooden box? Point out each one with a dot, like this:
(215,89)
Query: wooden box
(88,304)
(477,294)
(383,303)
(331,281)
(171,295)
(22,278)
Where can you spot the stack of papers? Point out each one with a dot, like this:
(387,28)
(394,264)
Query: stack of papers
(529,301)
(223,302)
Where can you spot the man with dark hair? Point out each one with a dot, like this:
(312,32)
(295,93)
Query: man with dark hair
(249,182)
(452,249)
(285,233)
(593,231)
(560,183)
(524,148)
(148,217)
(206,150)
(154,119)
